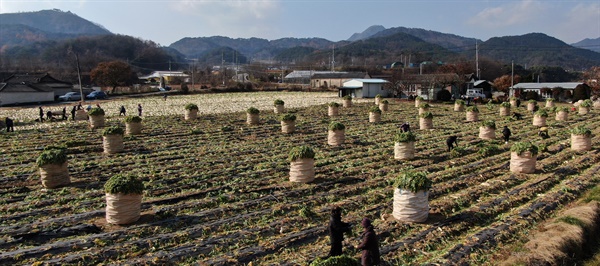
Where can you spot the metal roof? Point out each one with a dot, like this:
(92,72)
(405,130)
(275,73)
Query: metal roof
(533,85)
(372,80)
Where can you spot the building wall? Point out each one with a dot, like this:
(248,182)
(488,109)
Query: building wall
(25,97)
(370,90)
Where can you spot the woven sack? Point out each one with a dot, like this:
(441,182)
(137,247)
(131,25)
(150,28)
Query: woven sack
(425,123)
(112,143)
(423,110)
(332,111)
(302,170)
(577,103)
(539,121)
(133,128)
(549,104)
(504,111)
(487,133)
(347,103)
(411,207)
(562,116)
(191,114)
(459,107)
(278,109)
(336,137)
(583,110)
(513,103)
(472,116)
(96,121)
(581,143)
(55,175)
(596,105)
(252,119)
(377,100)
(530,107)
(524,163)
(417,103)
(404,150)
(288,126)
(81,115)
(384,107)
(374,117)
(123,208)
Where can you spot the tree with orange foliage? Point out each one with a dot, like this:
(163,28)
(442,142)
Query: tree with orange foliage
(112,74)
(503,83)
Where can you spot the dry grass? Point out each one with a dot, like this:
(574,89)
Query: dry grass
(561,241)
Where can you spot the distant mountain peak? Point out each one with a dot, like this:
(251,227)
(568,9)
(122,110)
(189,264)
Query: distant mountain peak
(370,31)
(588,43)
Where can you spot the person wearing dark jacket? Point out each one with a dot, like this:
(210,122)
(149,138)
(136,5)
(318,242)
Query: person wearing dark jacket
(9,125)
(369,245)
(506,134)
(73,112)
(337,228)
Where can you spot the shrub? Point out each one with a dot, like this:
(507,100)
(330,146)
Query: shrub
(288,117)
(375,109)
(541,113)
(581,130)
(413,181)
(521,147)
(385,101)
(124,184)
(580,93)
(489,124)
(113,130)
(336,126)
(424,105)
(505,104)
(334,104)
(133,119)
(191,106)
(347,97)
(342,260)
(301,152)
(473,108)
(52,156)
(459,102)
(419,98)
(444,95)
(488,150)
(96,111)
(405,137)
(278,102)
(428,115)
(252,110)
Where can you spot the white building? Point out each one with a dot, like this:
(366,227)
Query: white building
(20,93)
(364,88)
(538,87)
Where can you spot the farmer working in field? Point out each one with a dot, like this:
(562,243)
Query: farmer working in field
(9,125)
(543,133)
(337,228)
(369,246)
(506,134)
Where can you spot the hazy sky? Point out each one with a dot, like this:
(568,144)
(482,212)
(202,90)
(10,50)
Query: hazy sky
(166,21)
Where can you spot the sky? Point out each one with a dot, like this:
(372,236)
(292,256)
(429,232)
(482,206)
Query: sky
(167,21)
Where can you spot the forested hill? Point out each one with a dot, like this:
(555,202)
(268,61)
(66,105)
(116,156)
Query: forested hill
(590,44)
(538,49)
(27,27)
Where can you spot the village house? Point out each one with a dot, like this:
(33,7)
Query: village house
(364,88)
(335,79)
(545,89)
(31,88)
(163,78)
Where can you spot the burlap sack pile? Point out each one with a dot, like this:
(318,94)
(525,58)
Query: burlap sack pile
(549,104)
(302,170)
(374,117)
(583,110)
(513,103)
(55,175)
(112,143)
(487,133)
(333,111)
(562,116)
(252,119)
(96,121)
(409,206)
(384,107)
(377,100)
(504,111)
(524,163)
(288,126)
(423,110)
(581,142)
(425,123)
(530,107)
(336,137)
(278,109)
(404,150)
(123,208)
(417,103)
(459,107)
(133,128)
(191,114)
(539,121)
(472,116)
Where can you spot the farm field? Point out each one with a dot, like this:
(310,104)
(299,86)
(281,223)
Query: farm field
(217,190)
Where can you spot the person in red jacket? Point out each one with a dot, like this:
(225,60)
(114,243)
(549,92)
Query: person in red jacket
(369,245)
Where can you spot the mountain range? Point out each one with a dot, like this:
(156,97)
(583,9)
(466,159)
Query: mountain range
(376,44)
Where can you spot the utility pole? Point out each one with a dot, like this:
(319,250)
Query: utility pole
(477,59)
(70,50)
(512,79)
(333,60)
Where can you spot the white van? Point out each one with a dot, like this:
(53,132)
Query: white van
(474,93)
